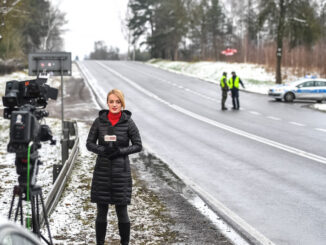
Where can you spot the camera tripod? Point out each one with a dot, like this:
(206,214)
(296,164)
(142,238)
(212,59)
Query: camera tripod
(35,198)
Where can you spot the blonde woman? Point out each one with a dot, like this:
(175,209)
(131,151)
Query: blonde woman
(110,137)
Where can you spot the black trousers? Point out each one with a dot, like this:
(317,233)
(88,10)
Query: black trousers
(235,98)
(121,211)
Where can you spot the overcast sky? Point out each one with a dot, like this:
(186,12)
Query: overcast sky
(90,21)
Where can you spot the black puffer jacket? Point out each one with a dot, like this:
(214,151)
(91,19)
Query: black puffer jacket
(112,182)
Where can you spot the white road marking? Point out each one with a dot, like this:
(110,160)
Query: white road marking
(255,113)
(274,118)
(297,124)
(176,85)
(321,129)
(235,218)
(89,78)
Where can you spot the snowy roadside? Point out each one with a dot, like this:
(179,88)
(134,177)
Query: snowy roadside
(256,78)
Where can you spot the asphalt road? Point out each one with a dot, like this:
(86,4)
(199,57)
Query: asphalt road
(263,167)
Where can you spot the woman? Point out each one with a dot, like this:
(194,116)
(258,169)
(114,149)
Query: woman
(109,137)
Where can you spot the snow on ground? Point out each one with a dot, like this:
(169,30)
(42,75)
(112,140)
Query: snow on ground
(255,77)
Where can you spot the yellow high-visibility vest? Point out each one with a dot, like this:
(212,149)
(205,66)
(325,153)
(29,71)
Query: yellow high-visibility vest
(234,83)
(222,81)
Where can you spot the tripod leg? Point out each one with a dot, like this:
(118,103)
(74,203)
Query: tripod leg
(46,219)
(12,204)
(21,211)
(36,228)
(19,208)
(37,210)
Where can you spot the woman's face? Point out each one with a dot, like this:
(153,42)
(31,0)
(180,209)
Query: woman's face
(114,104)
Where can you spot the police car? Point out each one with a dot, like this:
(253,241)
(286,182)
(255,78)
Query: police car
(305,89)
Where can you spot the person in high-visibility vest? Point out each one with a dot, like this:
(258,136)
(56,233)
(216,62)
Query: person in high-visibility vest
(225,89)
(233,83)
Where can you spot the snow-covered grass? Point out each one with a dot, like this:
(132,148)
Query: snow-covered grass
(257,78)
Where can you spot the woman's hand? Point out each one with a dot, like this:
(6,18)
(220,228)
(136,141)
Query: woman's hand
(112,151)
(110,148)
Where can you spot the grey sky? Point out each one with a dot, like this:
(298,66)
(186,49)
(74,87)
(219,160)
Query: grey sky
(90,21)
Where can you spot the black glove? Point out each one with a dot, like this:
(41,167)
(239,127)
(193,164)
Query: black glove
(115,154)
(110,149)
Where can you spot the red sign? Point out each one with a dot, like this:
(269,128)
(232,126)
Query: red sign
(229,51)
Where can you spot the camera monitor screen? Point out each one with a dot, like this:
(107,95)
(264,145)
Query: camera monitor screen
(54,63)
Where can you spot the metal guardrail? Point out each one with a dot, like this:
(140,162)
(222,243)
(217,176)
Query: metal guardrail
(60,182)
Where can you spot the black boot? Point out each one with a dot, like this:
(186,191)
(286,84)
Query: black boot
(124,231)
(100,228)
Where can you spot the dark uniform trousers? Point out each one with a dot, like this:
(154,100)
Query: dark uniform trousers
(235,98)
(224,97)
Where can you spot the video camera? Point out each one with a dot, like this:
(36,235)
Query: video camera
(34,92)
(25,102)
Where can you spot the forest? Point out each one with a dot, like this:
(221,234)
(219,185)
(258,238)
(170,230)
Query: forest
(28,26)
(275,33)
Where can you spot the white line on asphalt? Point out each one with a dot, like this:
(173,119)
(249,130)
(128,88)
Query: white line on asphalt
(321,129)
(297,124)
(255,113)
(89,78)
(272,143)
(274,118)
(176,85)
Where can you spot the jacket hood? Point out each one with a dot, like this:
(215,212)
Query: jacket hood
(125,115)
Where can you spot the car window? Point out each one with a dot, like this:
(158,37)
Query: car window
(320,84)
(306,84)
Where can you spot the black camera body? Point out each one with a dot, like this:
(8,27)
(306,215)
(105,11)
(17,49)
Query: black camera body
(33,92)
(24,103)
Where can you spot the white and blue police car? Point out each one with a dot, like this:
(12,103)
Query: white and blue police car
(304,89)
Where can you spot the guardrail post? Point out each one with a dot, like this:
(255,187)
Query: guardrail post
(69,128)
(64,144)
(56,171)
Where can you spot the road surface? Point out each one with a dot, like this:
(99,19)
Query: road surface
(263,167)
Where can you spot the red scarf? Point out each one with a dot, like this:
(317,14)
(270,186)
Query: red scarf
(114,117)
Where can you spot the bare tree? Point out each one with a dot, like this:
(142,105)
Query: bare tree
(53,41)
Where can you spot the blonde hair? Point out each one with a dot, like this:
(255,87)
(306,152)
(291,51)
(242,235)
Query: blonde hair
(119,94)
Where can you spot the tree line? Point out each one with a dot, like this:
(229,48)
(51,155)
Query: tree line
(29,26)
(271,32)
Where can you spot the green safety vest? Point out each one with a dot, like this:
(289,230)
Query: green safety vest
(222,81)
(235,83)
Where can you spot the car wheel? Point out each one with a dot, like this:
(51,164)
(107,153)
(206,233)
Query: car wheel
(289,97)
